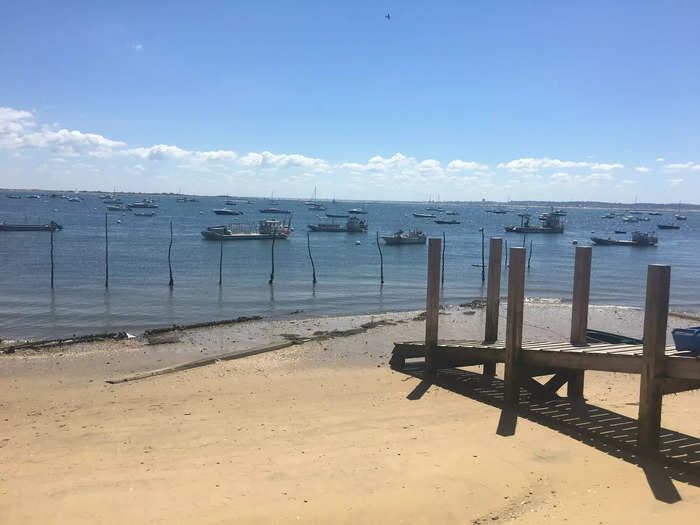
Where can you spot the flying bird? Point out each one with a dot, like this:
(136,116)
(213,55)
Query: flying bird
(388,16)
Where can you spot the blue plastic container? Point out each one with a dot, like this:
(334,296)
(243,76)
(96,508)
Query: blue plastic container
(687,339)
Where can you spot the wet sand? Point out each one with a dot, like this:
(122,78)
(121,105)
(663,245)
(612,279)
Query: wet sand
(322,431)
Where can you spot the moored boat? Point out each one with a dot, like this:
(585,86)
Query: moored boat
(267,229)
(638,239)
(145,203)
(353,225)
(447,221)
(409,237)
(551,223)
(424,215)
(357,211)
(275,210)
(226,211)
(668,227)
(51,226)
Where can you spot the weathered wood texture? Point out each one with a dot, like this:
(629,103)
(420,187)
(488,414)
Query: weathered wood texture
(493,298)
(514,325)
(655,319)
(432,303)
(579,312)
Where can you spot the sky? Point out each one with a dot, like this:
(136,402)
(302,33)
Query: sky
(450,100)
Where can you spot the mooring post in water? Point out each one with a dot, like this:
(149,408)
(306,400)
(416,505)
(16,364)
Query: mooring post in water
(170,248)
(272,272)
(442,273)
(381,261)
(483,262)
(106,255)
(506,263)
(313,266)
(221,260)
(52,259)
(529,255)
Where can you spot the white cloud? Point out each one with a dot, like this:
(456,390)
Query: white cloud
(277,161)
(533,164)
(461,165)
(13,123)
(561,177)
(595,177)
(641,169)
(692,166)
(660,159)
(70,143)
(675,182)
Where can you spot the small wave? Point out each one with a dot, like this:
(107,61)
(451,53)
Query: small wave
(548,300)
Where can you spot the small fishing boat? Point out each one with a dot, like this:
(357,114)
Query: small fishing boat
(681,218)
(267,229)
(353,225)
(357,211)
(275,210)
(447,221)
(338,215)
(608,216)
(654,213)
(51,226)
(630,219)
(638,239)
(226,211)
(145,203)
(112,200)
(668,227)
(424,215)
(409,237)
(435,208)
(74,199)
(33,196)
(620,231)
(497,211)
(117,207)
(231,203)
(551,223)
(144,213)
(14,196)
(451,212)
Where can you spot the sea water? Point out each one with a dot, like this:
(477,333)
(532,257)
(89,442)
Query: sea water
(138,296)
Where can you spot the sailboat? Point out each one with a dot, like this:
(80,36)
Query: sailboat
(680,217)
(313,203)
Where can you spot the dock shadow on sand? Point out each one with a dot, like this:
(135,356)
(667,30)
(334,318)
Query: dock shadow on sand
(607,431)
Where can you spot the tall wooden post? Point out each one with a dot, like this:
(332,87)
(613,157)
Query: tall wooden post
(432,304)
(381,261)
(579,313)
(655,319)
(272,270)
(442,273)
(493,298)
(221,262)
(483,262)
(106,255)
(52,259)
(514,326)
(313,266)
(170,264)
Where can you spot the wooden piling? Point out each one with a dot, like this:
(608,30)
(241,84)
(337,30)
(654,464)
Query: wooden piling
(381,261)
(52,259)
(170,264)
(483,262)
(529,255)
(442,273)
(432,304)
(313,266)
(272,271)
(514,326)
(493,298)
(221,262)
(106,255)
(579,313)
(655,320)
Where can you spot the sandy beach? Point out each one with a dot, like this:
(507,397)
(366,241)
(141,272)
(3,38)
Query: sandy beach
(322,431)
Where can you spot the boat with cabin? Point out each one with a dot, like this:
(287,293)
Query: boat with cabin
(357,211)
(638,239)
(402,237)
(275,210)
(353,225)
(145,203)
(551,223)
(265,229)
(50,227)
(668,227)
(447,221)
(424,215)
(226,211)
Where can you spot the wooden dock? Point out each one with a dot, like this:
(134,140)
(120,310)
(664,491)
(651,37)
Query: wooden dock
(662,369)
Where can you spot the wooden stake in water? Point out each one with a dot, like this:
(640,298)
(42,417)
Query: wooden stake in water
(483,262)
(170,248)
(52,259)
(529,255)
(506,263)
(313,266)
(442,273)
(106,255)
(221,260)
(381,261)
(272,272)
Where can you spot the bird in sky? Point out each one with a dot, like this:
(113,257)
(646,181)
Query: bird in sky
(388,16)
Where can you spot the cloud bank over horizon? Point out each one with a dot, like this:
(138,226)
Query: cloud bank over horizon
(41,155)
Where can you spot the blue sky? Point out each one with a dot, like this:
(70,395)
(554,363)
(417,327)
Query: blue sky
(469,100)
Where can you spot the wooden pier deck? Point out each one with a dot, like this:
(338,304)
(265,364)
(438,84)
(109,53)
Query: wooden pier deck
(662,369)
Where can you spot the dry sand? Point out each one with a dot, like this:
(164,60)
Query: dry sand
(322,432)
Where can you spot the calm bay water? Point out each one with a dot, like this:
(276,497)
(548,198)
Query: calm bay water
(348,275)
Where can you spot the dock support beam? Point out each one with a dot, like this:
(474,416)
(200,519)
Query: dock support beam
(579,313)
(651,391)
(514,326)
(432,304)
(493,298)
